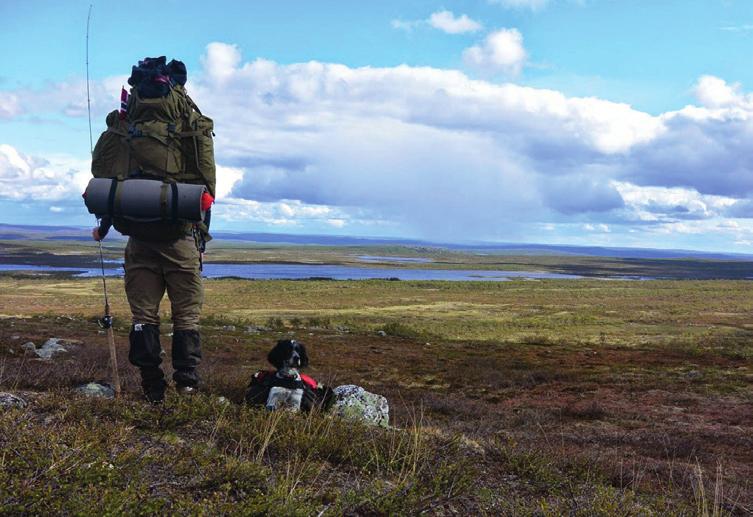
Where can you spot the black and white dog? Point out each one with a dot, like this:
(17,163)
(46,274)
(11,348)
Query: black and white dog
(287,388)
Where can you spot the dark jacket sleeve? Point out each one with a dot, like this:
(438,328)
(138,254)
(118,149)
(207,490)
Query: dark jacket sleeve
(104,226)
(208,218)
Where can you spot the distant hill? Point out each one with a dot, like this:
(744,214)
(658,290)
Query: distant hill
(73,233)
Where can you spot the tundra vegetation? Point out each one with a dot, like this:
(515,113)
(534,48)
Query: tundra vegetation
(579,397)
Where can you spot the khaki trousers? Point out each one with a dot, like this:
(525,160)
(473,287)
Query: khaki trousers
(153,267)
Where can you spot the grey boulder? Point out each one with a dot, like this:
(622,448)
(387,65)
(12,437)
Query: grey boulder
(355,403)
(52,347)
(94,389)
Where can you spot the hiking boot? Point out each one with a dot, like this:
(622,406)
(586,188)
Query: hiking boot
(186,391)
(154,396)
(154,385)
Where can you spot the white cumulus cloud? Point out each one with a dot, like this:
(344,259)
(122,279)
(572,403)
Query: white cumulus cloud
(501,51)
(438,154)
(714,92)
(54,178)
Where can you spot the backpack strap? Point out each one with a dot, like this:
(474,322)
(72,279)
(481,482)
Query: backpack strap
(111,197)
(118,199)
(163,200)
(174,207)
(189,134)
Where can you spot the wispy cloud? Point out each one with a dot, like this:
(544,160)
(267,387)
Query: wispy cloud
(444,20)
(405,25)
(737,28)
(533,5)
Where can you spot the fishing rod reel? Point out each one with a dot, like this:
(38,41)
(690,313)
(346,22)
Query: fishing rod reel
(105,322)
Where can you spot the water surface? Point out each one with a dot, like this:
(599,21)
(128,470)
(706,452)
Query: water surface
(303,271)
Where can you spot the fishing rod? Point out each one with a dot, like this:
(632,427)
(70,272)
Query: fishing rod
(106,321)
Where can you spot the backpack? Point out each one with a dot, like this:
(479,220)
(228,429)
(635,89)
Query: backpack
(159,133)
(313,395)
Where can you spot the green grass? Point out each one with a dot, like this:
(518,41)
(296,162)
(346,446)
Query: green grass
(516,398)
(208,457)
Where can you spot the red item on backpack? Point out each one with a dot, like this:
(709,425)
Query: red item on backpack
(206,201)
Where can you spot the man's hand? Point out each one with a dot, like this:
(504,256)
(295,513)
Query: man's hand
(95,234)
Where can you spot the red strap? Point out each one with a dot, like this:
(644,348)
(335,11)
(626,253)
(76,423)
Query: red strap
(309,381)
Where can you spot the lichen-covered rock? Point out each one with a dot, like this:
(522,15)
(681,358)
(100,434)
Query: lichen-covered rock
(355,403)
(9,400)
(29,347)
(94,389)
(53,347)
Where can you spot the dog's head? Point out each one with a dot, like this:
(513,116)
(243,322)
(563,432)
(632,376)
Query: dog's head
(288,353)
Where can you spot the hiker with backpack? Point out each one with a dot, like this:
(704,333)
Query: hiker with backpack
(154,182)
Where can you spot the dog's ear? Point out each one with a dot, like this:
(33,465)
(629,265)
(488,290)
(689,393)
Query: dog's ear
(278,354)
(304,355)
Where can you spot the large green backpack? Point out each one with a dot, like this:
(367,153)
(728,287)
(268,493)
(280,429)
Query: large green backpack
(163,138)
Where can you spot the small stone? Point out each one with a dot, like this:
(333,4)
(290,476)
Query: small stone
(228,328)
(381,333)
(694,374)
(9,400)
(15,338)
(252,329)
(223,401)
(95,389)
(29,347)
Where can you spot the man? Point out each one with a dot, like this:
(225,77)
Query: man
(165,255)
(151,268)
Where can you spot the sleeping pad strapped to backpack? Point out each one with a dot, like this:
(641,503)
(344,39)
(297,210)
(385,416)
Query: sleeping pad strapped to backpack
(161,134)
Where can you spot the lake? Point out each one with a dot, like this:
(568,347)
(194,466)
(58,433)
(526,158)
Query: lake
(304,271)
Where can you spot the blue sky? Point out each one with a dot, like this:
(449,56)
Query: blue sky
(563,121)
